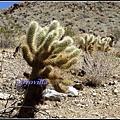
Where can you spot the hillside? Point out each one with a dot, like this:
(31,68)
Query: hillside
(97,18)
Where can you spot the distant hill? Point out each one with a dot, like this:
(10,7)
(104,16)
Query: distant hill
(99,18)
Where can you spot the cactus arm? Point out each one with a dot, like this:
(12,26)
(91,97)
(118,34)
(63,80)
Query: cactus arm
(61,32)
(66,82)
(27,55)
(45,72)
(40,37)
(54,25)
(57,61)
(59,50)
(65,42)
(60,88)
(69,63)
(31,36)
(74,53)
(49,39)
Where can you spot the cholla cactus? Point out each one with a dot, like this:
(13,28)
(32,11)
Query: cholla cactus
(90,43)
(103,44)
(46,48)
(87,42)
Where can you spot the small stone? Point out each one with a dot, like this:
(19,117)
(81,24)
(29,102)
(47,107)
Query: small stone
(53,95)
(73,72)
(112,83)
(72,91)
(116,76)
(78,86)
(4,75)
(99,102)
(12,57)
(115,81)
(4,96)
(104,85)
(0,55)
(0,90)
(94,94)
(115,91)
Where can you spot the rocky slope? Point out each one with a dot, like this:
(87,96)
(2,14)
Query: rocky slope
(99,18)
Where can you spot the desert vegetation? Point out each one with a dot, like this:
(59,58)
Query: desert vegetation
(9,31)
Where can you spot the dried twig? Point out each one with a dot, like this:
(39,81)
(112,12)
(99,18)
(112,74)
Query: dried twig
(99,67)
(7,100)
(16,50)
(14,107)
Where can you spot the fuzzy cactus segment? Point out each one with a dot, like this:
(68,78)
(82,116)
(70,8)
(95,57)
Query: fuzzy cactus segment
(27,55)
(90,43)
(65,42)
(103,44)
(69,63)
(54,25)
(40,36)
(49,39)
(45,71)
(74,53)
(31,35)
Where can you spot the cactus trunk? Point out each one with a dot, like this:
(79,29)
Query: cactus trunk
(33,91)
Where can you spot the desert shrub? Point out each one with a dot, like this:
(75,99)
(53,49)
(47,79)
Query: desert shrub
(69,31)
(8,32)
(115,32)
(99,67)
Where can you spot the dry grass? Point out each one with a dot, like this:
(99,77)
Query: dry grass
(99,67)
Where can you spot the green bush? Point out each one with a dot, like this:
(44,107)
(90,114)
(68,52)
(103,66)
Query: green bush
(8,32)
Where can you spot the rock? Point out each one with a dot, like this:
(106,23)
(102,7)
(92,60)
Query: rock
(111,83)
(12,57)
(104,85)
(78,86)
(115,81)
(0,90)
(4,96)
(116,76)
(73,72)
(115,91)
(4,75)
(20,89)
(94,94)
(72,91)
(53,95)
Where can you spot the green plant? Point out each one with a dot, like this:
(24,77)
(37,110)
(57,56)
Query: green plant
(46,48)
(69,31)
(90,43)
(103,44)
(115,32)
(8,31)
